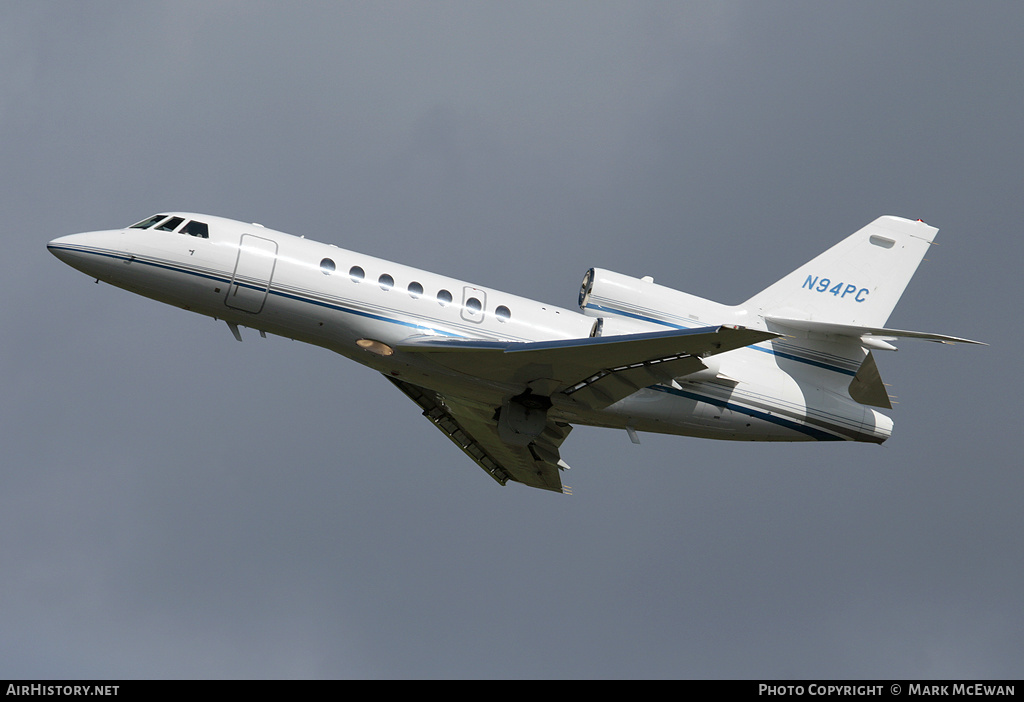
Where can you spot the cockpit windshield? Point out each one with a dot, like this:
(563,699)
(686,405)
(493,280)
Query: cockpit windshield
(148,222)
(167,223)
(170,225)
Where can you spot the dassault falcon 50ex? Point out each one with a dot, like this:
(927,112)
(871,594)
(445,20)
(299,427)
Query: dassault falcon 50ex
(506,377)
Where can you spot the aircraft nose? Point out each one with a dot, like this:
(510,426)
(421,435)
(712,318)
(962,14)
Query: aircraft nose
(63,247)
(93,253)
(76,250)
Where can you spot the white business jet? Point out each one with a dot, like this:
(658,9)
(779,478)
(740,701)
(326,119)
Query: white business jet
(506,377)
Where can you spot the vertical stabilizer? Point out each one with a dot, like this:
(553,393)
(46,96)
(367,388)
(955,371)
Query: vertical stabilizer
(856,282)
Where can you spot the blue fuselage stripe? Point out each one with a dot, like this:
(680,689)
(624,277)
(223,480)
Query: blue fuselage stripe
(771,352)
(819,434)
(260,288)
(813,432)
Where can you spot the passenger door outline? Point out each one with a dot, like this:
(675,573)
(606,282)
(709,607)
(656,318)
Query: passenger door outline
(254,269)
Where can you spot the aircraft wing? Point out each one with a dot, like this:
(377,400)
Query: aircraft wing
(474,430)
(596,371)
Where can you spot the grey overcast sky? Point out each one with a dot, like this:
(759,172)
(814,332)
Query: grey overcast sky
(175,504)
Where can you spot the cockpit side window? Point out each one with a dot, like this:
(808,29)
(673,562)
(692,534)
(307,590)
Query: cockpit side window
(149,222)
(197,229)
(171,224)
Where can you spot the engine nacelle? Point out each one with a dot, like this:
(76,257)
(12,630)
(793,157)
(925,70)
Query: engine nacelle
(638,304)
(627,305)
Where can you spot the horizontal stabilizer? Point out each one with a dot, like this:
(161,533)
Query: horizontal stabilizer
(828,330)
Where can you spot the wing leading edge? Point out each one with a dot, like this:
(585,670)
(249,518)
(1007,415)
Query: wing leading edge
(597,371)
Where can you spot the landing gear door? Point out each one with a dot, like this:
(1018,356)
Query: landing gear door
(474,302)
(254,270)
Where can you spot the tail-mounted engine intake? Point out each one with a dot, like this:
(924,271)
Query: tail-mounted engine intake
(629,305)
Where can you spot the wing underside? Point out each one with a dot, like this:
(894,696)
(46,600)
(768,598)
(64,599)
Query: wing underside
(513,440)
(475,432)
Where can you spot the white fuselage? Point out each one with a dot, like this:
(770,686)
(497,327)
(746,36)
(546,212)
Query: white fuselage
(356,305)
